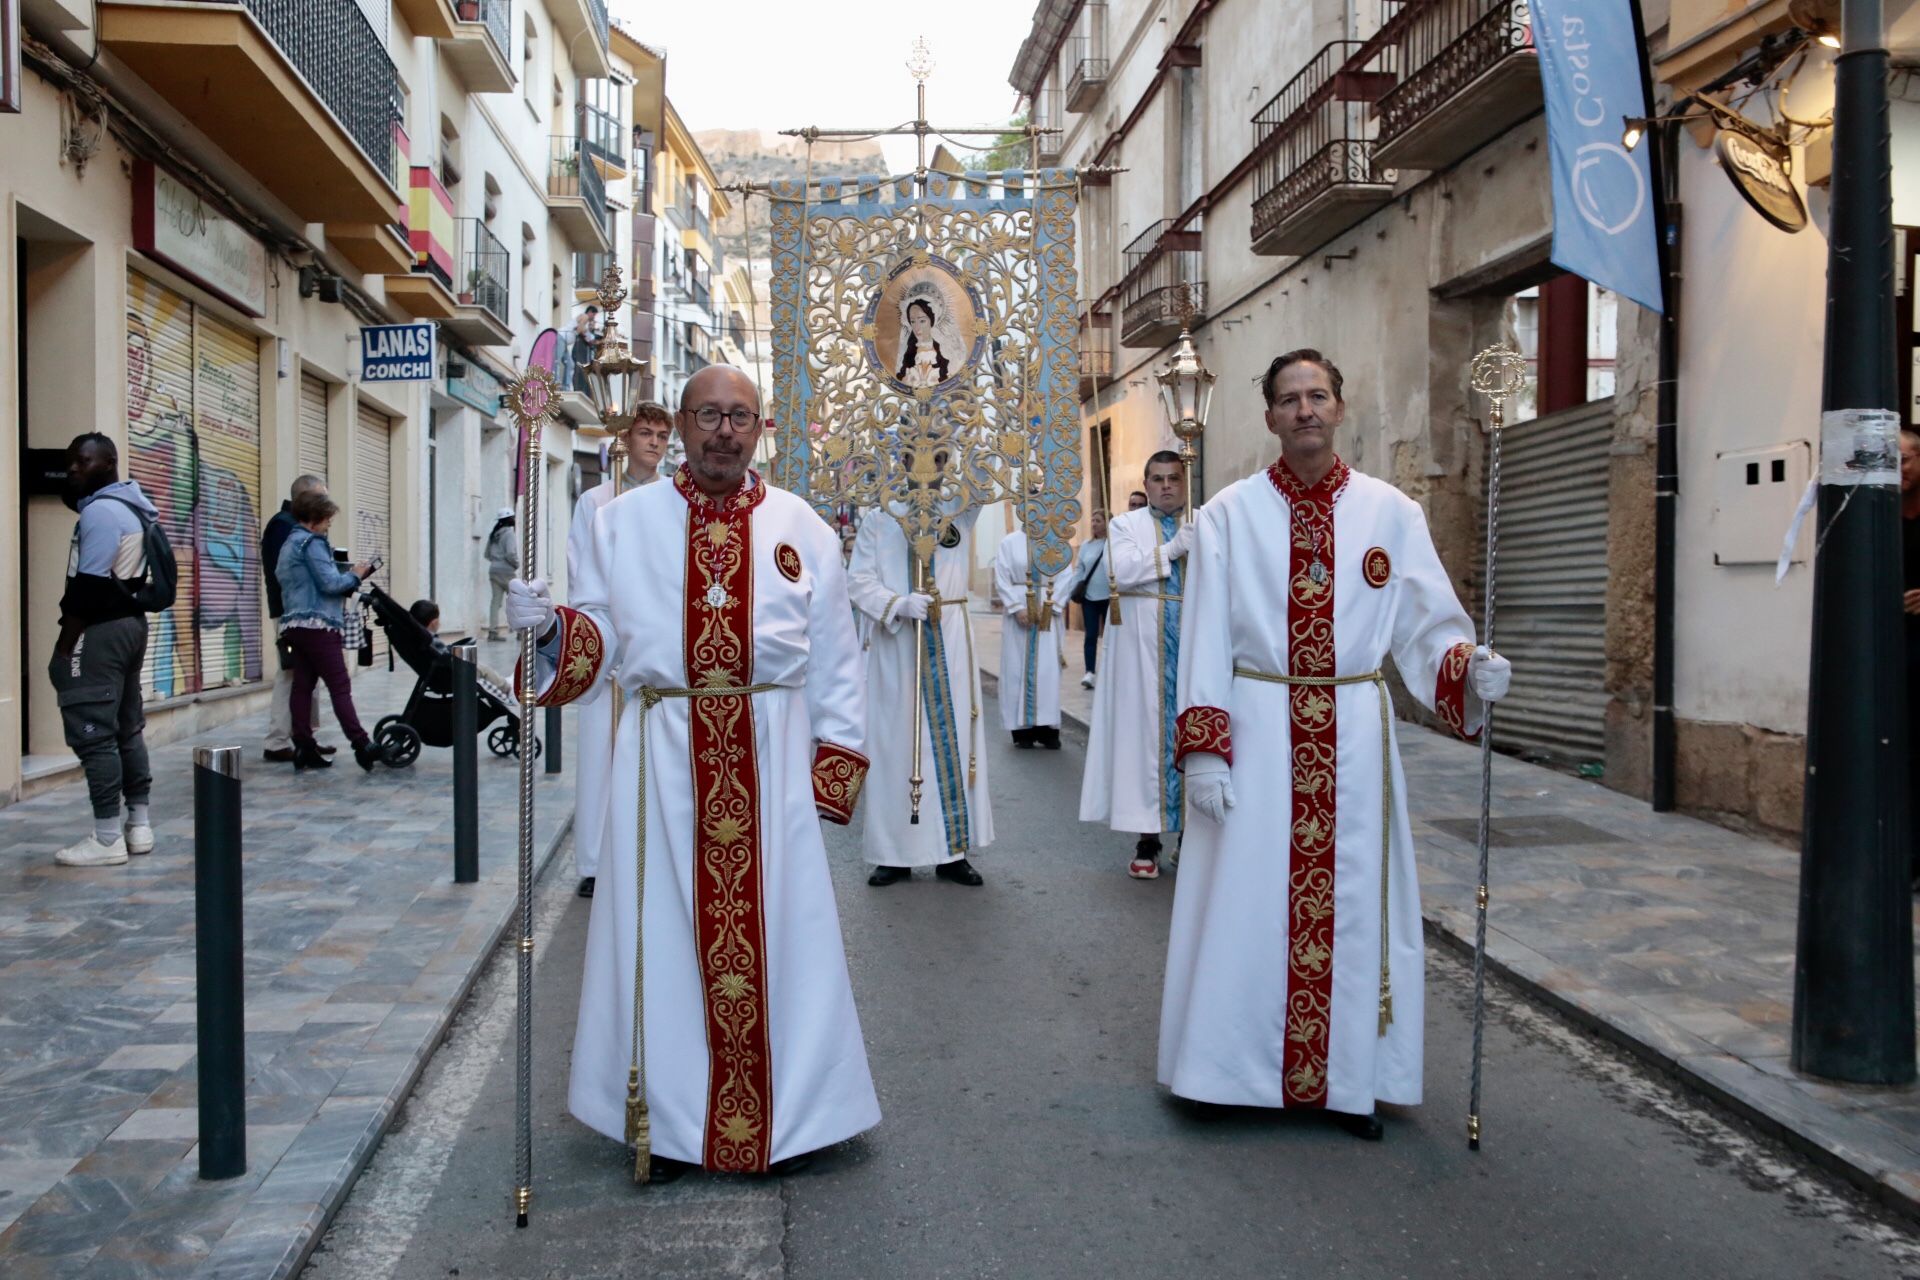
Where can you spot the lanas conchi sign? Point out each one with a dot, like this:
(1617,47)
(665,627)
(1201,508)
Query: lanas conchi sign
(396,352)
(174,226)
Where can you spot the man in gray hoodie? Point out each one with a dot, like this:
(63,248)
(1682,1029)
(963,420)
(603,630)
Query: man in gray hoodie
(97,659)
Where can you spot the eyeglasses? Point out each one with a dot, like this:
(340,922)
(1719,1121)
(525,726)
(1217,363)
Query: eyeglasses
(709,417)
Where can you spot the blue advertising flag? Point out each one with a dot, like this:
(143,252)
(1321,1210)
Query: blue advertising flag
(1605,219)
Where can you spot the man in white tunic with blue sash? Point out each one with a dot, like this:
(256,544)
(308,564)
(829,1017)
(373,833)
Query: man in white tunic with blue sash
(1130,782)
(1032,619)
(1295,968)
(955,813)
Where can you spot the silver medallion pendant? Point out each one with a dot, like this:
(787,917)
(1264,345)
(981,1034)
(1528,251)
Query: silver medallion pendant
(716,597)
(1318,572)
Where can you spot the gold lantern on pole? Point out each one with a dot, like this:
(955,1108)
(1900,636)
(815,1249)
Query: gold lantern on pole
(1186,389)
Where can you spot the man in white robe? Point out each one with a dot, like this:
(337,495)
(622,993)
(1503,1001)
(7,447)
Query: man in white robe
(646,442)
(1130,781)
(1033,619)
(1295,965)
(956,815)
(722,606)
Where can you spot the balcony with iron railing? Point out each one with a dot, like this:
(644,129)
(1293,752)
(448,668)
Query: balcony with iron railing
(589,269)
(577,195)
(572,20)
(1314,171)
(1088,76)
(1051,120)
(1096,352)
(701,296)
(483,318)
(480,45)
(1162,281)
(602,136)
(1468,72)
(299,94)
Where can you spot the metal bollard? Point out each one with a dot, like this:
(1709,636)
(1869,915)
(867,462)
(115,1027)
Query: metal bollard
(466,764)
(553,740)
(219,962)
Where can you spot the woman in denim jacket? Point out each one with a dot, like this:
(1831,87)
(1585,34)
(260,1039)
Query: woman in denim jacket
(312,589)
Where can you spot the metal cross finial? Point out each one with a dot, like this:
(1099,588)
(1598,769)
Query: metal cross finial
(920,61)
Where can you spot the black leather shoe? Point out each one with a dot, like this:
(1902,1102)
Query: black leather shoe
(279,755)
(960,872)
(586,887)
(327,748)
(1367,1128)
(884,876)
(1147,847)
(1050,737)
(1023,738)
(366,755)
(309,758)
(791,1165)
(664,1169)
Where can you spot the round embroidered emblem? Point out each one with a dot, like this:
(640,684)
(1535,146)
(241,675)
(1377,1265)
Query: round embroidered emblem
(788,561)
(950,535)
(1377,567)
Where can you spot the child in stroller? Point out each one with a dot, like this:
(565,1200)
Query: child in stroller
(428,717)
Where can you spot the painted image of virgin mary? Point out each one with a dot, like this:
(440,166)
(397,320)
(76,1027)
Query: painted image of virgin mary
(933,351)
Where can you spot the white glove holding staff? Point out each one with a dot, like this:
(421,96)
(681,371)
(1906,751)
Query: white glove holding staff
(529,605)
(1179,544)
(913,608)
(1209,785)
(1489,674)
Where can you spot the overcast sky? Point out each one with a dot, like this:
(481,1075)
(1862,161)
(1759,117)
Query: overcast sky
(783,64)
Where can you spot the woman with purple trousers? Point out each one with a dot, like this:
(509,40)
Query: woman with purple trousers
(312,589)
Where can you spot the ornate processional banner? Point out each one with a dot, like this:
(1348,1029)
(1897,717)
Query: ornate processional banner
(924,350)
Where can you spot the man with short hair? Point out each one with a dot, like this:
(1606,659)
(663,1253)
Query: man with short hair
(1294,967)
(720,607)
(103,641)
(1131,783)
(279,744)
(1136,500)
(646,443)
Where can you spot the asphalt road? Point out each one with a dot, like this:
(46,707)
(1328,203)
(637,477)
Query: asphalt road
(1011,1031)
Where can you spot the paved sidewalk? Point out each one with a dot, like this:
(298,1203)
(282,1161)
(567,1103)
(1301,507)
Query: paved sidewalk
(1668,935)
(359,949)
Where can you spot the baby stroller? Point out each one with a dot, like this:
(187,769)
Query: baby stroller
(428,718)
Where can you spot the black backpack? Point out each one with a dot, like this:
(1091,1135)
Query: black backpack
(155,592)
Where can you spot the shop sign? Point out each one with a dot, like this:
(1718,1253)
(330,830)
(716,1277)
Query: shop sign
(1761,177)
(396,352)
(472,383)
(173,225)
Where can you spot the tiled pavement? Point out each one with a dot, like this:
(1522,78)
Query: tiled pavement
(359,949)
(1670,936)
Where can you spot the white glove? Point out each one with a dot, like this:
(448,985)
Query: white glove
(1179,544)
(1209,785)
(913,608)
(1489,674)
(529,605)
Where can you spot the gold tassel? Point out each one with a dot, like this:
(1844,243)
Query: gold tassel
(1386,1010)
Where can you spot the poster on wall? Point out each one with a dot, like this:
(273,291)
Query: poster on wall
(10,56)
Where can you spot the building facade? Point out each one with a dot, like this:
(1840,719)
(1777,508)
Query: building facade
(206,204)
(1372,179)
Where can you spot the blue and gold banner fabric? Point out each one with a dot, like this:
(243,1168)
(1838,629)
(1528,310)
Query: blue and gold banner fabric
(924,353)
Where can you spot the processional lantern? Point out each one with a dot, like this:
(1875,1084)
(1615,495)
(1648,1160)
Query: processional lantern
(1186,385)
(613,359)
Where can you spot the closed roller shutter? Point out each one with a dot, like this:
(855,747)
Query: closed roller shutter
(1551,607)
(160,457)
(227,586)
(312,445)
(373,501)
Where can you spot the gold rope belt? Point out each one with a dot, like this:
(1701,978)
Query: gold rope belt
(1113,608)
(1379,681)
(639,1130)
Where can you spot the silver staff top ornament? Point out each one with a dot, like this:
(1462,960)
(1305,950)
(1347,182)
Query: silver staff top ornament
(1498,372)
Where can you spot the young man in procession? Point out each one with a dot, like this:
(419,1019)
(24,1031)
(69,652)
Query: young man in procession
(1295,973)
(1131,783)
(956,814)
(720,606)
(646,443)
(1030,658)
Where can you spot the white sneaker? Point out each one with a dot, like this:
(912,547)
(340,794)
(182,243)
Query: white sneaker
(139,838)
(91,853)
(1086,681)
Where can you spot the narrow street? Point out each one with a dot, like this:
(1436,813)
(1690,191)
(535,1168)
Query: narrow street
(1012,1034)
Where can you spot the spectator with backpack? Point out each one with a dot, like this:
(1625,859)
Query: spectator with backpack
(120,568)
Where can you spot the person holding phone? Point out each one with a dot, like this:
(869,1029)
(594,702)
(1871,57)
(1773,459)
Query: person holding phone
(313,623)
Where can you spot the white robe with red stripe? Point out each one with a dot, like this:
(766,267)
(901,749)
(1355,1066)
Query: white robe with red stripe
(753,1047)
(1273,986)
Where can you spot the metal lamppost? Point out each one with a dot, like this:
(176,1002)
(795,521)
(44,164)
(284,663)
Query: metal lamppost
(1186,392)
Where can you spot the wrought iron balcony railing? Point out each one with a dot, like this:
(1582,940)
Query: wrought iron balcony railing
(572,175)
(1088,59)
(483,269)
(1096,352)
(337,52)
(1314,142)
(1445,46)
(1164,267)
(495,14)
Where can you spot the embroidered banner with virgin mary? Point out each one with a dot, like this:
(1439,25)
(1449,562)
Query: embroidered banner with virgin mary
(924,354)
